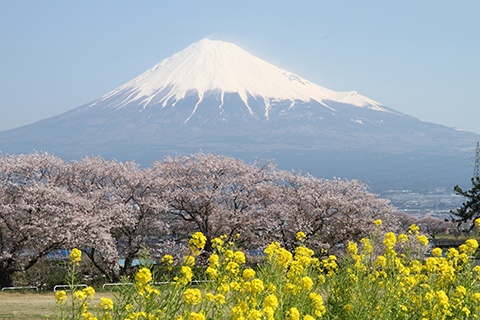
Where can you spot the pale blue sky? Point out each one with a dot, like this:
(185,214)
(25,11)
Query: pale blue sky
(418,57)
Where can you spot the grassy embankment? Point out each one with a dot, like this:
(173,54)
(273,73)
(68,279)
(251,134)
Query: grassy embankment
(32,305)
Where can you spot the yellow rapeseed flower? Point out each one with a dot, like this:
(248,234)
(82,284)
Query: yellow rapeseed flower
(192,296)
(233,268)
(61,296)
(168,259)
(212,272)
(76,255)
(229,255)
(187,275)
(413,229)
(217,243)
(348,307)
(389,240)
(144,276)
(381,261)
(402,238)
(462,291)
(321,279)
(472,244)
(423,240)
(209,296)
(476,269)
(224,288)
(248,274)
(197,242)
(293,314)
(213,259)
(317,300)
(88,316)
(442,298)
(352,248)
(106,303)
(437,252)
(90,291)
(476,296)
(307,283)
(84,294)
(257,286)
(452,253)
(220,298)
(300,236)
(196,316)
(367,246)
(477,222)
(79,295)
(239,257)
(235,286)
(377,222)
(290,287)
(278,255)
(269,312)
(254,314)
(271,288)
(271,301)
(189,261)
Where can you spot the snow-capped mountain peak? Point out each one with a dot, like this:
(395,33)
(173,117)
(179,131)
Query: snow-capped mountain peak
(216,97)
(209,66)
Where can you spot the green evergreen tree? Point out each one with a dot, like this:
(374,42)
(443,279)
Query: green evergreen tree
(470,210)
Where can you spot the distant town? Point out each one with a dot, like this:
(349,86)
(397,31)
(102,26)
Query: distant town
(436,202)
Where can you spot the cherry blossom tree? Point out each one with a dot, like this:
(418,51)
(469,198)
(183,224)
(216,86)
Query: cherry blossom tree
(221,195)
(328,212)
(125,212)
(405,220)
(433,226)
(37,214)
(214,194)
(111,209)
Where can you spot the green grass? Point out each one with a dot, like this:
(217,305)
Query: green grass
(29,306)
(23,306)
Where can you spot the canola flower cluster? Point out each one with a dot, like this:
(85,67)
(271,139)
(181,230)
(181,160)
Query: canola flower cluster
(79,307)
(379,278)
(383,284)
(76,256)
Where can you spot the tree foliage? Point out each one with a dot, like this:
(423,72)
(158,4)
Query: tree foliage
(470,210)
(123,211)
(214,194)
(328,212)
(430,226)
(37,214)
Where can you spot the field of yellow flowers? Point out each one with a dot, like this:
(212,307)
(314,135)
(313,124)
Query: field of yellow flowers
(382,277)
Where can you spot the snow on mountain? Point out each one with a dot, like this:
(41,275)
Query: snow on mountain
(208,67)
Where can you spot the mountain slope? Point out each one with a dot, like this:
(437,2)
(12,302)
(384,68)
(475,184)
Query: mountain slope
(217,97)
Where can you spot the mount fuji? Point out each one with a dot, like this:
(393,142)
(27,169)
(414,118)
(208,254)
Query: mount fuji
(217,97)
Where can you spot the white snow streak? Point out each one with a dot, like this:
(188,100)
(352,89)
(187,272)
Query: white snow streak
(221,99)
(291,106)
(200,94)
(268,107)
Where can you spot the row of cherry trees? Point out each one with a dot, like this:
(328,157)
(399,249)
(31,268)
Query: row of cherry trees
(111,209)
